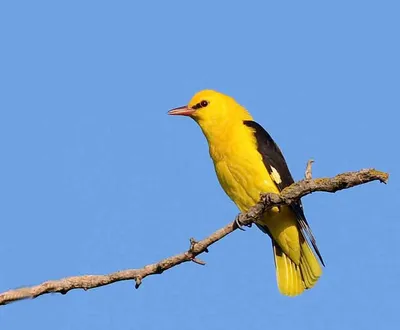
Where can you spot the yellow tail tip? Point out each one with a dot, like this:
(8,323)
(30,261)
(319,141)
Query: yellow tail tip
(294,279)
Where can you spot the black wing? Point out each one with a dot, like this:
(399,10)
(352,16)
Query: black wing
(275,163)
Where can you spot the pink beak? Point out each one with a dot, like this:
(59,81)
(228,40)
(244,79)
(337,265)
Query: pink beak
(182,111)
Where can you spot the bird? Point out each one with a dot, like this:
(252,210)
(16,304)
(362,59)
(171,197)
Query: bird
(248,162)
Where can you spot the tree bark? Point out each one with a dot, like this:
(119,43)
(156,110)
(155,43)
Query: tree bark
(288,195)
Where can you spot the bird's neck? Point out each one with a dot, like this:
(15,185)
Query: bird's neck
(224,138)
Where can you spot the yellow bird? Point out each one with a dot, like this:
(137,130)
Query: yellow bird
(248,162)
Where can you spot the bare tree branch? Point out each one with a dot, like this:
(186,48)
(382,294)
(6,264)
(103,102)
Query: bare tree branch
(308,173)
(287,196)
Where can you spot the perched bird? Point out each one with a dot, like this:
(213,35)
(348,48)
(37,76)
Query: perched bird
(248,162)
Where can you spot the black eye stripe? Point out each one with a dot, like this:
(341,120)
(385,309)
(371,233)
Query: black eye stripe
(201,104)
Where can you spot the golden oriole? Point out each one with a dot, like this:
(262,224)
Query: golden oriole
(248,162)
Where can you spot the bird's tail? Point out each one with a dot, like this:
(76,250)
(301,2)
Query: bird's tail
(294,278)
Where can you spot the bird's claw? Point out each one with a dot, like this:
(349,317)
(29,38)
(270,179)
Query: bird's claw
(239,223)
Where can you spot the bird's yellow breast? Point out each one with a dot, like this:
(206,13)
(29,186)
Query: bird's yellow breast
(240,168)
(243,176)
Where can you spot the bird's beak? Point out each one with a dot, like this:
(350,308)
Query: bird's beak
(182,111)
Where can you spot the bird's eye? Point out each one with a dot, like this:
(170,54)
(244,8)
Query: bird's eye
(203,103)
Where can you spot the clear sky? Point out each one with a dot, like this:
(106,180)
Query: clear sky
(95,177)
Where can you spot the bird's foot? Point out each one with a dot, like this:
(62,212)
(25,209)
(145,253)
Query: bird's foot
(239,223)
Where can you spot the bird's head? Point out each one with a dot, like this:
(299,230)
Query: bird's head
(213,111)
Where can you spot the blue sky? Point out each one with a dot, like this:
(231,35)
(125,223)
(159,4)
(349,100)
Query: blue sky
(95,177)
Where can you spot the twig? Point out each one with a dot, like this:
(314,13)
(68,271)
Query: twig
(308,174)
(287,196)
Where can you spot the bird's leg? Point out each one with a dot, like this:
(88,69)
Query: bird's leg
(239,223)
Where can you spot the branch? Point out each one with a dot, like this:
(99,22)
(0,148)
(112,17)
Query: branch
(287,196)
(308,173)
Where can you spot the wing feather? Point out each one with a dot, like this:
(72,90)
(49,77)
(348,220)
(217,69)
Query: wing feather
(277,167)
